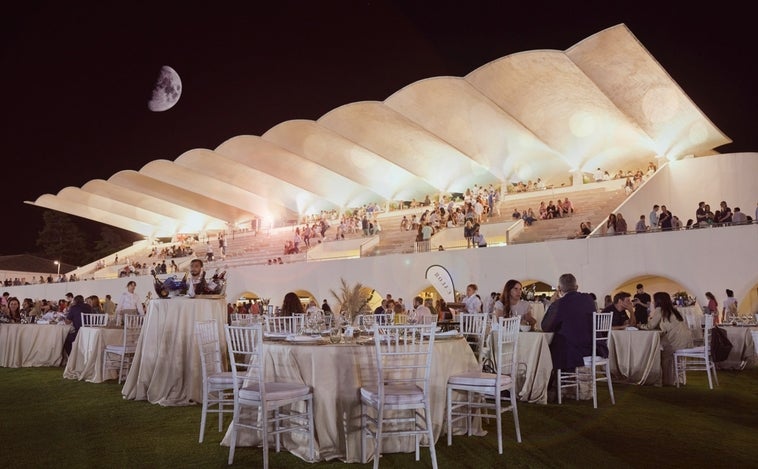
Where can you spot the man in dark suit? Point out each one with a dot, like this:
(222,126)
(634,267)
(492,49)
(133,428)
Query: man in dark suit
(570,321)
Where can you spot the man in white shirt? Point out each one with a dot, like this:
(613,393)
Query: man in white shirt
(598,176)
(479,240)
(472,302)
(654,216)
(738,217)
(422,311)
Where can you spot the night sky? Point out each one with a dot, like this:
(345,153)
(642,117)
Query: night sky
(76,76)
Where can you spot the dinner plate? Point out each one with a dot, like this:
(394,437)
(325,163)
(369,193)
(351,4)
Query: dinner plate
(276,335)
(304,339)
(451,334)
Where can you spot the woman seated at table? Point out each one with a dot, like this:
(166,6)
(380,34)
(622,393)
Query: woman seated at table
(94,302)
(443,311)
(11,313)
(675,333)
(292,305)
(511,304)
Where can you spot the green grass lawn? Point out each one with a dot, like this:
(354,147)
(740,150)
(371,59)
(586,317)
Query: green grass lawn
(48,421)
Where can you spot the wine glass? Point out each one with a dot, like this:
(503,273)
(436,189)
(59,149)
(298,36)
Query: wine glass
(412,317)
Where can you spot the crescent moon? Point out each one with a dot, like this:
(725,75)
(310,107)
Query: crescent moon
(166,91)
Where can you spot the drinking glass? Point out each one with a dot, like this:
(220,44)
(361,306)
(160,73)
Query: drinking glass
(335,335)
(412,317)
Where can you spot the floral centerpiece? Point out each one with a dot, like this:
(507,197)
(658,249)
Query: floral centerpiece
(681,298)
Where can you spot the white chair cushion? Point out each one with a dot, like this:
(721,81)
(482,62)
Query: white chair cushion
(598,361)
(397,394)
(274,391)
(478,378)
(120,349)
(221,378)
(693,350)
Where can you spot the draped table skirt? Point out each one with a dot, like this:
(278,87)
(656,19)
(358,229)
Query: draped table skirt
(336,373)
(29,345)
(166,368)
(86,360)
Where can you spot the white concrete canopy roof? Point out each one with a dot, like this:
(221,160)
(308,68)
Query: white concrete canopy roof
(605,102)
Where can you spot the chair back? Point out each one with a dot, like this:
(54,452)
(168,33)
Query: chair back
(241,318)
(245,346)
(401,318)
(368,320)
(428,319)
(206,334)
(94,320)
(506,348)
(473,326)
(707,335)
(132,328)
(404,356)
(601,330)
(289,324)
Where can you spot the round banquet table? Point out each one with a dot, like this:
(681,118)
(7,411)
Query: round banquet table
(535,364)
(27,345)
(635,357)
(743,353)
(336,373)
(166,368)
(86,360)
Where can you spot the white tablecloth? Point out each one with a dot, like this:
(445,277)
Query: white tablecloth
(26,345)
(86,359)
(336,373)
(167,369)
(635,357)
(534,366)
(743,348)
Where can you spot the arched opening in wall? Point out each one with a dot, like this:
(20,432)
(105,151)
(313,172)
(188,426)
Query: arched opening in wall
(652,284)
(246,297)
(656,283)
(305,297)
(748,304)
(427,294)
(535,289)
(373,297)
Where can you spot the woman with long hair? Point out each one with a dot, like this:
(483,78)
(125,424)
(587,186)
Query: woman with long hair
(610,225)
(675,334)
(94,302)
(14,310)
(713,307)
(620,224)
(443,309)
(511,304)
(292,305)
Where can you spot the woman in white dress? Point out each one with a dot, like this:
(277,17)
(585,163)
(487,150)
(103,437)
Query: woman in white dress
(511,304)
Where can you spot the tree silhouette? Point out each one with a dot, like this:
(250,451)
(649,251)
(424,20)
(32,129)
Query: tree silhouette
(61,239)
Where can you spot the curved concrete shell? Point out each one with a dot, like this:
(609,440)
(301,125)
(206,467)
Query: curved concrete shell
(605,102)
